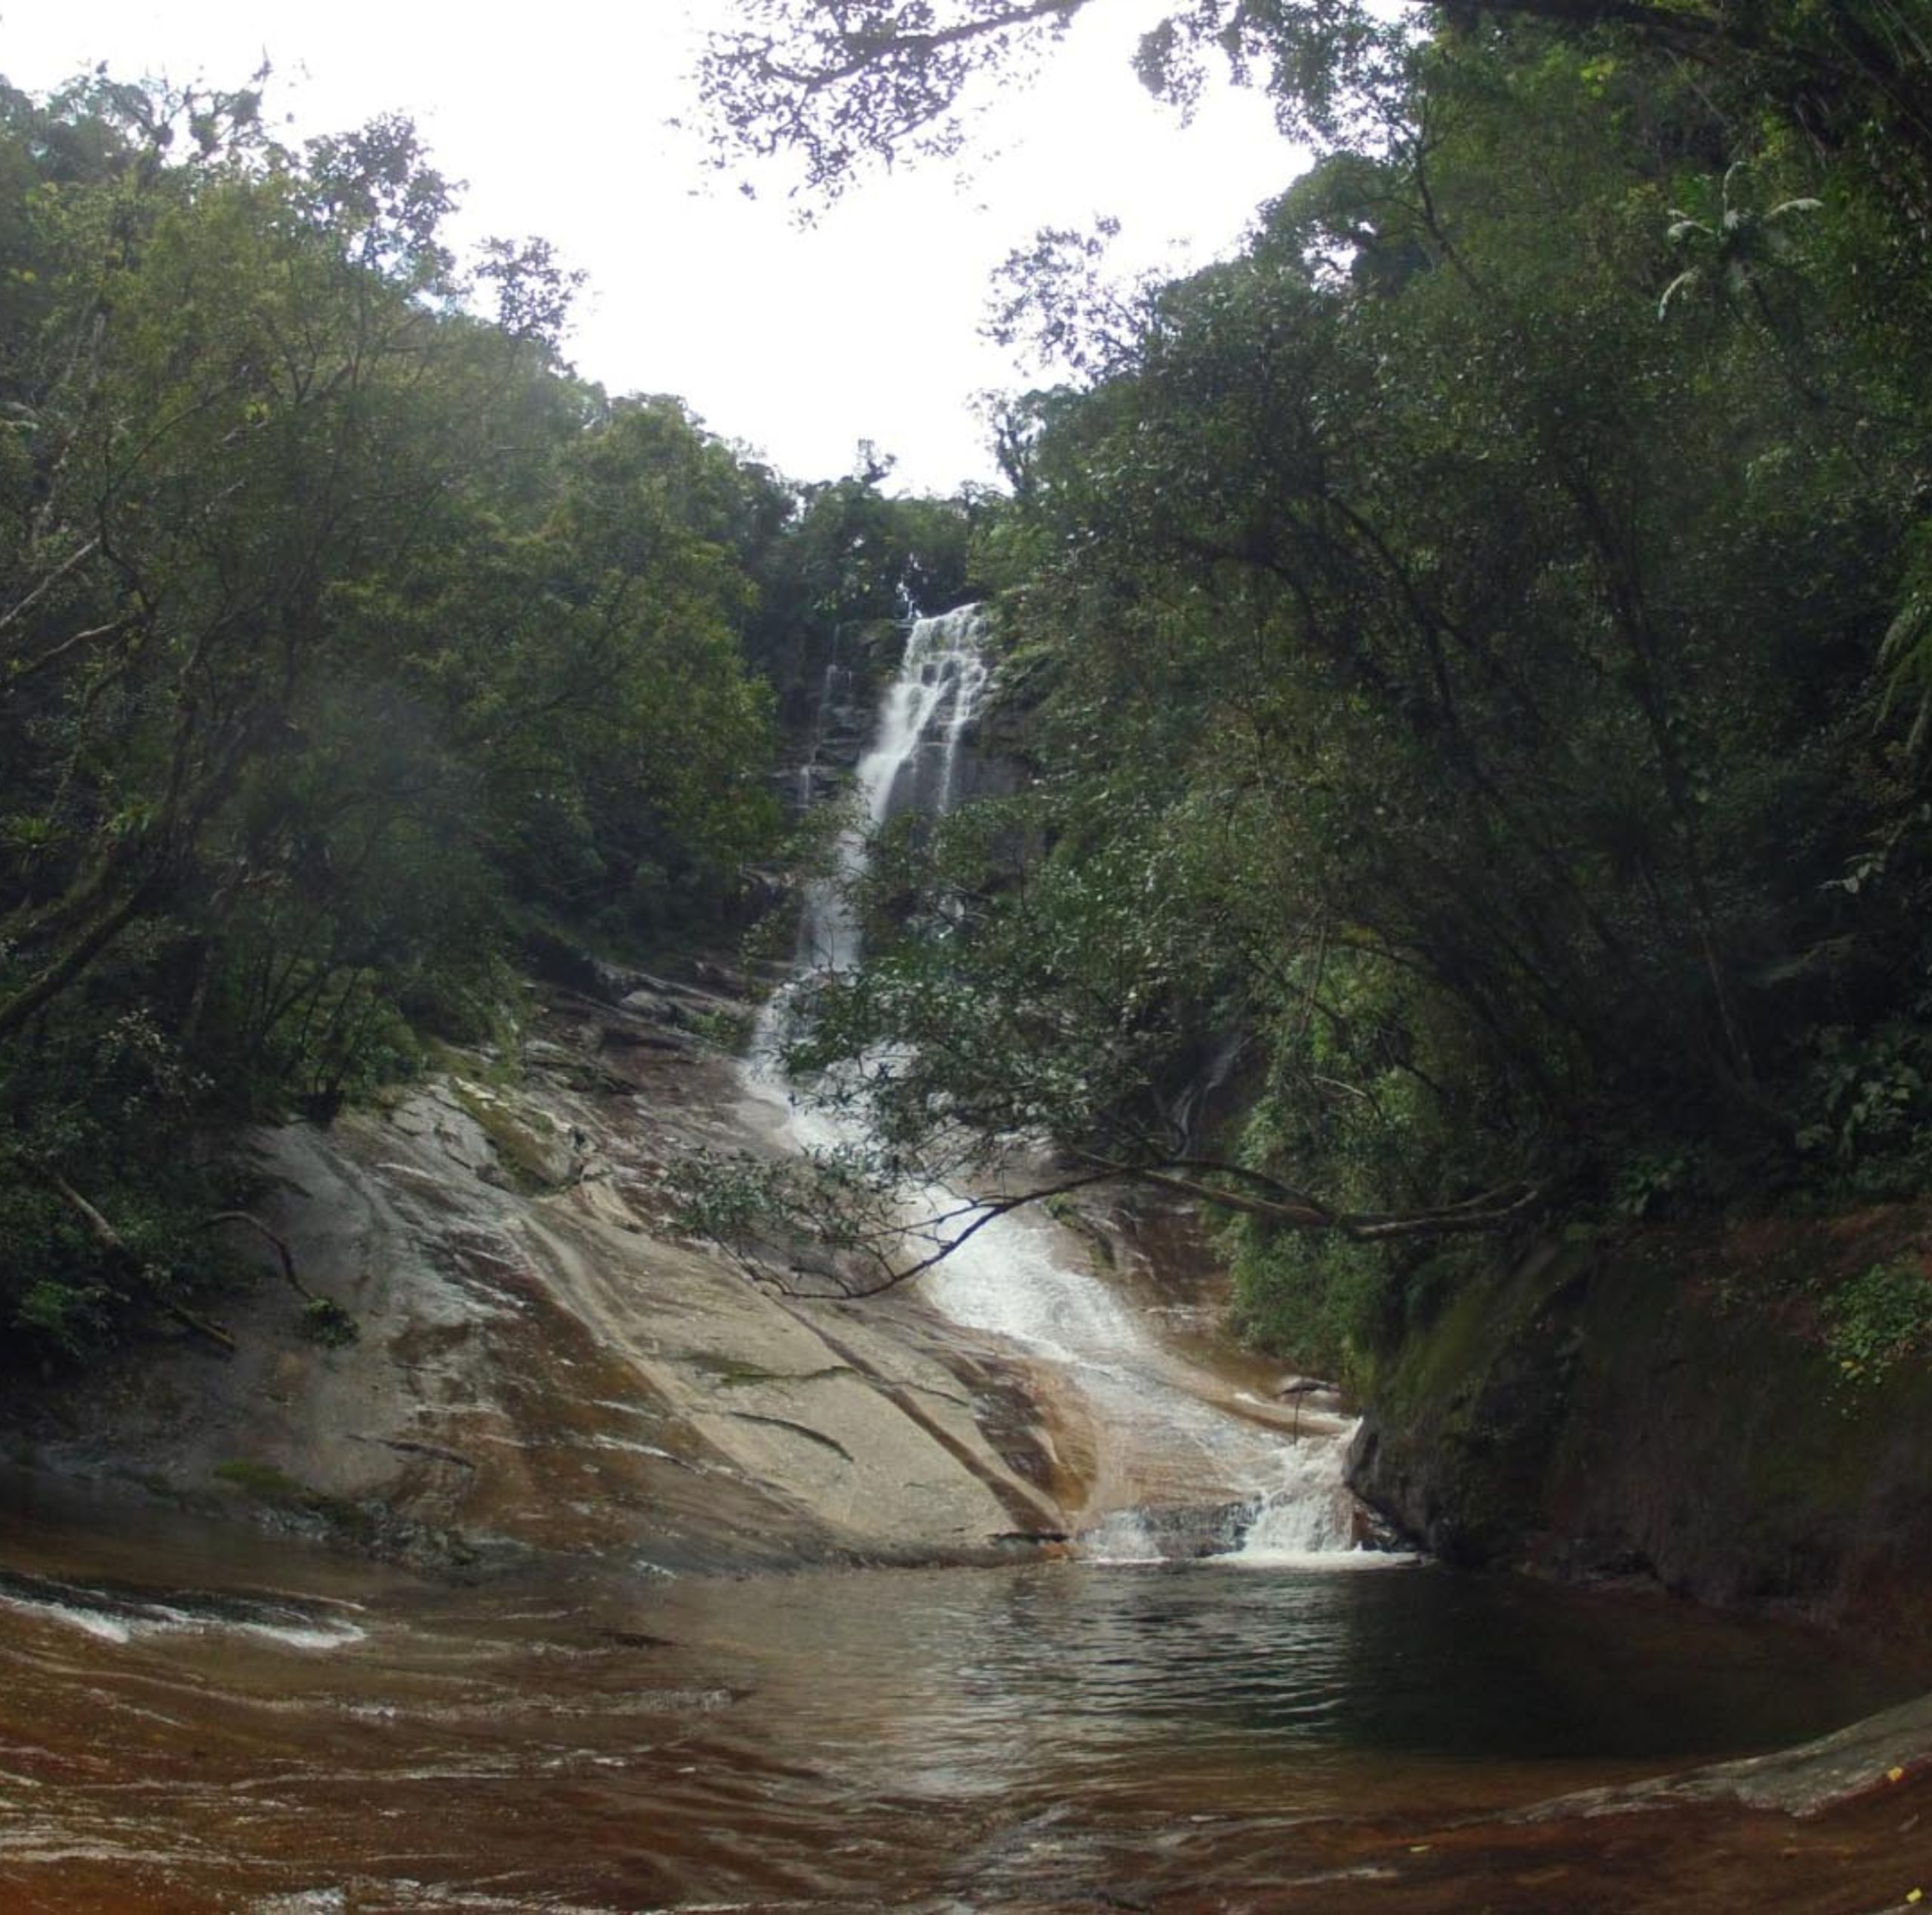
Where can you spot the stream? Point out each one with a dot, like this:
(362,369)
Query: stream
(1216,1699)
(192,1720)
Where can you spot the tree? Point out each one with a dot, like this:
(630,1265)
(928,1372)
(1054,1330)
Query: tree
(855,82)
(346,640)
(1455,684)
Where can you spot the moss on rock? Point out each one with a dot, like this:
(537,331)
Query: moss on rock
(1667,1406)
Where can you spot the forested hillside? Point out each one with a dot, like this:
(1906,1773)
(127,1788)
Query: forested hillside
(351,651)
(1476,645)
(1473,650)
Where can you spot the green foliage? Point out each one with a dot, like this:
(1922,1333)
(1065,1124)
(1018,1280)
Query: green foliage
(1647,1182)
(726,1198)
(1905,652)
(349,643)
(730,1031)
(1878,1320)
(842,84)
(1473,643)
(1315,1302)
(1869,1100)
(328,1325)
(838,1213)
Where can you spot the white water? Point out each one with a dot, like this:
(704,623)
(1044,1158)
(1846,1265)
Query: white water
(1167,1438)
(123,1618)
(913,764)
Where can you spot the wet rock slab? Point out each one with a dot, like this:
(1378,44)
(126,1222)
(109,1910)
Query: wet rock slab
(541,1361)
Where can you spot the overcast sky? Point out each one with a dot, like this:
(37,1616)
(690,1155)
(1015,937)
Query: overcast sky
(798,342)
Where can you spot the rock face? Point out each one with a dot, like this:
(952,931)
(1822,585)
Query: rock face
(1665,1410)
(542,1363)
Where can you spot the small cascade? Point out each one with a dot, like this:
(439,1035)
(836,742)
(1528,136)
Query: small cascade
(1122,1536)
(1310,1513)
(1183,1476)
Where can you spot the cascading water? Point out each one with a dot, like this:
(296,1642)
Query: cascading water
(913,764)
(1181,1468)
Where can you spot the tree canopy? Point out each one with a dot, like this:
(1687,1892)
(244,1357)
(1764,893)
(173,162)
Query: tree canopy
(1473,642)
(844,83)
(350,646)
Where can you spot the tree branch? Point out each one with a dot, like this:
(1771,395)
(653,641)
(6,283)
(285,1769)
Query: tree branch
(119,1251)
(868,51)
(283,1254)
(22,607)
(1486,1213)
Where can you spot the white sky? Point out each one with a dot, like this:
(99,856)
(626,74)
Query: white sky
(796,343)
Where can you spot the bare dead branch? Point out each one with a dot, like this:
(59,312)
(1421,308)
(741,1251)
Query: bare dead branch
(23,606)
(283,1253)
(121,1254)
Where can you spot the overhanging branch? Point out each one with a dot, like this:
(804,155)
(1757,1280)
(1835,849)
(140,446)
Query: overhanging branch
(871,1221)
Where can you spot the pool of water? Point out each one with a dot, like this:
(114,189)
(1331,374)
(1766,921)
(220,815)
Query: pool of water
(192,1721)
(1326,1689)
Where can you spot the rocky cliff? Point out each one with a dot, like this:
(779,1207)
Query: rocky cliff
(1664,1408)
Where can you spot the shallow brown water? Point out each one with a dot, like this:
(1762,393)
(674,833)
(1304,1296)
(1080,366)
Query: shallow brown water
(192,1720)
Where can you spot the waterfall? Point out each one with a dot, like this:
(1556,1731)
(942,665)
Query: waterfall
(1182,1472)
(913,764)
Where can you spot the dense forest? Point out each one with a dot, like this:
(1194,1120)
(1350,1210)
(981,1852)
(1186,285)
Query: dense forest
(1471,652)
(1475,647)
(355,655)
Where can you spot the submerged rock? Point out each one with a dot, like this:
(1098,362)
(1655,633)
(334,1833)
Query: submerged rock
(1310,1392)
